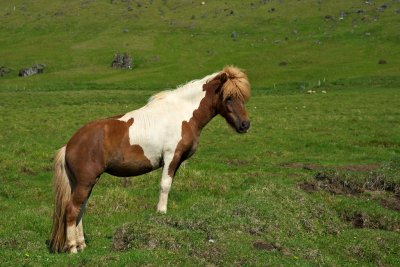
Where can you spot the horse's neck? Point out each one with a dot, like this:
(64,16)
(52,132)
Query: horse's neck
(203,114)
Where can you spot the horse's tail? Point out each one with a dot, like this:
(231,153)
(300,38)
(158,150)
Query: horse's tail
(62,195)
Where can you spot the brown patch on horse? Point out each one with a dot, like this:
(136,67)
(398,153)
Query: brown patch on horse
(103,146)
(185,148)
(122,158)
(191,130)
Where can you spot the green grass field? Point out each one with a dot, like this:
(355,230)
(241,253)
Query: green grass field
(316,181)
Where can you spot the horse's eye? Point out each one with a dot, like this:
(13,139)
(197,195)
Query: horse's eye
(229,99)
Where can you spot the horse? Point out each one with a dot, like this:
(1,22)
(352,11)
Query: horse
(163,133)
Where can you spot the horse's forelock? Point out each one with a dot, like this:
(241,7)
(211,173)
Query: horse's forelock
(237,85)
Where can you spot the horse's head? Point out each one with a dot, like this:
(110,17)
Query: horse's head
(233,92)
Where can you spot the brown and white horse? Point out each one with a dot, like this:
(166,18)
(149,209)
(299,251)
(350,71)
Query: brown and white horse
(163,133)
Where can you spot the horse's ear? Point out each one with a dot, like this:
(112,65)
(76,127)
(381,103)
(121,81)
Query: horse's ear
(221,78)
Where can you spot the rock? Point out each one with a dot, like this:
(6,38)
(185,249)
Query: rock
(35,69)
(4,71)
(122,61)
(342,15)
(234,36)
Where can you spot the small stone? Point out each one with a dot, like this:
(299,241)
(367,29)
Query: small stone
(4,71)
(122,61)
(234,35)
(35,69)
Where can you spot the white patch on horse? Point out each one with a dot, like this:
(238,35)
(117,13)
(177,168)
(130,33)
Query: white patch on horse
(157,127)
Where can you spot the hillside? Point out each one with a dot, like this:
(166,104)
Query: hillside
(284,44)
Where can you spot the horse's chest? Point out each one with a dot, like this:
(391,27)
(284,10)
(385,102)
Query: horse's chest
(157,142)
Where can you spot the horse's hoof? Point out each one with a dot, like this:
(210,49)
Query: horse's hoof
(81,246)
(72,250)
(162,211)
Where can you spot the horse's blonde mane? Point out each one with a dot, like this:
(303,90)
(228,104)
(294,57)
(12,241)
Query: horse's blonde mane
(159,96)
(237,85)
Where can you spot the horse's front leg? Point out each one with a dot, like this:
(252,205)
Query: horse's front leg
(168,173)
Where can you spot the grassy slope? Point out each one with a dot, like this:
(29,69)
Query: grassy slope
(78,39)
(234,189)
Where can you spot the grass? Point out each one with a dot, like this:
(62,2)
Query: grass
(235,202)
(233,191)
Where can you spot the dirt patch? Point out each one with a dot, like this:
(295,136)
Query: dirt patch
(261,245)
(336,184)
(148,236)
(345,182)
(316,167)
(308,187)
(392,203)
(11,243)
(363,220)
(211,253)
(359,168)
(47,168)
(305,166)
(27,170)
(379,182)
(237,162)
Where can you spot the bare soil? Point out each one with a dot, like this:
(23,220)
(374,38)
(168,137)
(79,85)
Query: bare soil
(392,203)
(316,167)
(261,245)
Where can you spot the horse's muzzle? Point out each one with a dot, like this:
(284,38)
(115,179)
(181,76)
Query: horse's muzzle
(243,127)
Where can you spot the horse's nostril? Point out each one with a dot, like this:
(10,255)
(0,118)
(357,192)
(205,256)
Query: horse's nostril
(246,124)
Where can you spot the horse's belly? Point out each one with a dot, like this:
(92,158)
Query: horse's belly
(131,161)
(129,169)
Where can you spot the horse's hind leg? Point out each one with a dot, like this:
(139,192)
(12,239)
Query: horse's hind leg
(80,238)
(79,196)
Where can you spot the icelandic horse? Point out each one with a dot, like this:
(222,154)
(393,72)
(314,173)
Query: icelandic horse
(163,133)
